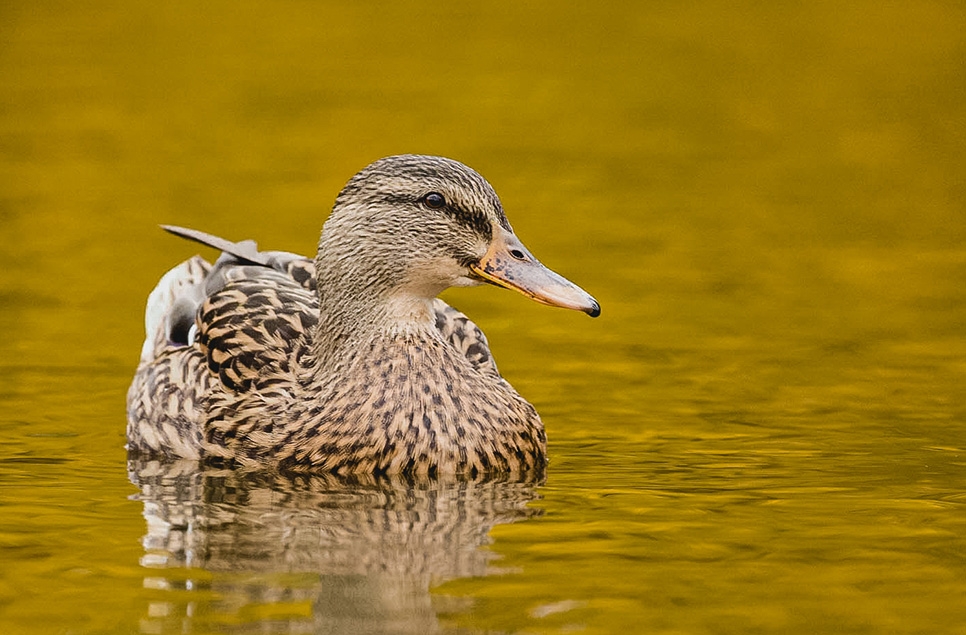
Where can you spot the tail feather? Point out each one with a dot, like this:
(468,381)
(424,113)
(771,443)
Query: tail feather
(246,250)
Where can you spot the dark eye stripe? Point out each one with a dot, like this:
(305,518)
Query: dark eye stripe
(472,219)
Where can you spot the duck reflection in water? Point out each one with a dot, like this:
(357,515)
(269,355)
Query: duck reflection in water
(313,552)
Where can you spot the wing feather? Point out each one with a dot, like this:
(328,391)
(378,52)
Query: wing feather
(215,332)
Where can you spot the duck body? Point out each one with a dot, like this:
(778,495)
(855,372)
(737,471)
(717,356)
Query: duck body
(347,363)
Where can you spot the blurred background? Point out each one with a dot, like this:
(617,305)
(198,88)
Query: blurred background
(763,432)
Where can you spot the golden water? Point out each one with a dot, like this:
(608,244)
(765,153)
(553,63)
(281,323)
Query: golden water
(764,432)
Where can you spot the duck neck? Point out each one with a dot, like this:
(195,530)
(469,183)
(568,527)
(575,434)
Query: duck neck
(355,312)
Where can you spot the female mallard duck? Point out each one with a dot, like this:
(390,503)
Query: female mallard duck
(357,368)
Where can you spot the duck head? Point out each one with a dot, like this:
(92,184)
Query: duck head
(407,227)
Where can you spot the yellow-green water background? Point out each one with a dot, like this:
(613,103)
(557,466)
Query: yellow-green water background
(764,432)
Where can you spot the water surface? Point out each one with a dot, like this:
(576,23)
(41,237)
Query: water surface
(763,432)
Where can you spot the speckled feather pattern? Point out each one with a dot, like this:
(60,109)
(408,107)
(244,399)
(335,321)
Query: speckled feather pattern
(245,391)
(336,364)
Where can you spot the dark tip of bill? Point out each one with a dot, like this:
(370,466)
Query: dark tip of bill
(594,310)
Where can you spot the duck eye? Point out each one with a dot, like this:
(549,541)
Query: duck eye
(434,200)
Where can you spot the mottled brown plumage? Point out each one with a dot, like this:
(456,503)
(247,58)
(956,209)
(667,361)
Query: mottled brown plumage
(348,363)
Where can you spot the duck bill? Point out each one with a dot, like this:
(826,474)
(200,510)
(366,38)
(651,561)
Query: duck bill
(510,265)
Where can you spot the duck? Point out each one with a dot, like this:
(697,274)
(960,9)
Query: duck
(348,362)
